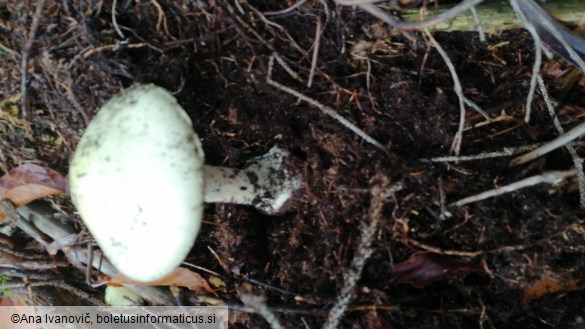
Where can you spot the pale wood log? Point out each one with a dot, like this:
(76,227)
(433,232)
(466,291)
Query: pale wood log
(497,16)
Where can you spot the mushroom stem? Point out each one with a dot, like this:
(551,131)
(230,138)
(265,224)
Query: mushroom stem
(266,184)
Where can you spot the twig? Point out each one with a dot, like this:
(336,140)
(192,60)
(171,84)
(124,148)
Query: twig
(551,177)
(437,250)
(89,269)
(12,214)
(456,145)
(325,109)
(551,146)
(444,212)
(409,26)
(57,284)
(557,34)
(577,161)
(269,23)
(9,51)
(259,306)
(287,68)
(318,32)
(286,10)
(316,44)
(507,151)
(478,24)
(363,253)
(477,109)
(14,253)
(535,72)
(271,287)
(201,268)
(538,49)
(31,275)
(91,50)
(25,55)
(355,2)
(162,18)
(114,22)
(274,309)
(37,265)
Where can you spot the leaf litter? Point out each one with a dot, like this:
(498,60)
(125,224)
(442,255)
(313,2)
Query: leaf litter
(214,58)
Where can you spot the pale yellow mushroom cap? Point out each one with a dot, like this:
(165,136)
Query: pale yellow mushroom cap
(122,296)
(136,180)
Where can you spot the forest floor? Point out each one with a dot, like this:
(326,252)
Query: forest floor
(512,261)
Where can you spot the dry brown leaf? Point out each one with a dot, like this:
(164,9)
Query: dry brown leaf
(423,269)
(550,283)
(12,301)
(29,182)
(181,277)
(9,306)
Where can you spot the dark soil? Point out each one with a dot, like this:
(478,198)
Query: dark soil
(214,56)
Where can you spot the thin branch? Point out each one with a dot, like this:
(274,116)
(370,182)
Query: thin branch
(9,51)
(577,161)
(268,23)
(535,72)
(325,109)
(408,26)
(456,145)
(363,253)
(551,177)
(538,49)
(114,22)
(318,32)
(560,141)
(355,2)
(444,212)
(25,55)
(287,68)
(478,24)
(57,284)
(539,17)
(286,10)
(477,109)
(259,306)
(507,151)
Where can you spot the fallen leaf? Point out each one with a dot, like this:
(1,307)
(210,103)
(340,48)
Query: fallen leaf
(12,301)
(29,182)
(423,269)
(11,306)
(181,277)
(550,283)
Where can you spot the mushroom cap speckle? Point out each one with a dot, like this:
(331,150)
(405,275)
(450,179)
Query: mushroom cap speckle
(136,179)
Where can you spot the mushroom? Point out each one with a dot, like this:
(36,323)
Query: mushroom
(138,181)
(122,296)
